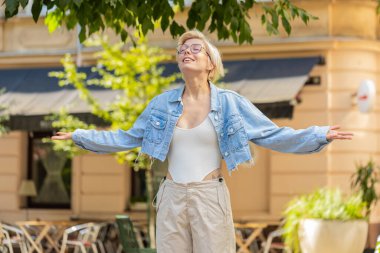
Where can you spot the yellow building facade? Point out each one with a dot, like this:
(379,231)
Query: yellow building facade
(345,35)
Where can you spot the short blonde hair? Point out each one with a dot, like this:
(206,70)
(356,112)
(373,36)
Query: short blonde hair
(213,52)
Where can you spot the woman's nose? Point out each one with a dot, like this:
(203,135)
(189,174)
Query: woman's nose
(187,51)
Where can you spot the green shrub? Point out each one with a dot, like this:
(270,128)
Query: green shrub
(326,204)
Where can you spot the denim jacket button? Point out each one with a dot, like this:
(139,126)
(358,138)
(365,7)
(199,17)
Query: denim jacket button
(226,154)
(216,117)
(222,134)
(231,130)
(157,123)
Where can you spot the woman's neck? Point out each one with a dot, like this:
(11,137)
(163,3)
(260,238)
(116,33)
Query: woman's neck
(196,88)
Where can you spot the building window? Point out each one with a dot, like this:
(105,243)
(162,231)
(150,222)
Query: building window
(139,193)
(51,173)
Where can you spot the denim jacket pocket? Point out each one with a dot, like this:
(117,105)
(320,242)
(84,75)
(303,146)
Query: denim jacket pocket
(237,137)
(156,128)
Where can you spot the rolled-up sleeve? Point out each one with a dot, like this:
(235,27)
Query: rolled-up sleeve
(113,141)
(263,132)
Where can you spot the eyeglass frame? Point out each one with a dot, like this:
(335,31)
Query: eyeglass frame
(191,49)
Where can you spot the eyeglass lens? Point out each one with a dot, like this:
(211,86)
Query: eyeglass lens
(194,48)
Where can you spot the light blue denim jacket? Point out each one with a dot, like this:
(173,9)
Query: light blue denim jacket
(236,121)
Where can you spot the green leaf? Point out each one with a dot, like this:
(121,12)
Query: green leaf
(176,29)
(190,23)
(82,34)
(274,19)
(147,25)
(234,24)
(11,7)
(263,19)
(212,27)
(248,4)
(124,35)
(304,17)
(286,25)
(24,3)
(53,20)
(164,23)
(36,9)
(234,36)
(72,21)
(294,12)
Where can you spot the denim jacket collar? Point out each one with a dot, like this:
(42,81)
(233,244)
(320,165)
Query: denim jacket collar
(215,103)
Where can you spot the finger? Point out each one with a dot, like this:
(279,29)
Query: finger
(61,133)
(57,137)
(335,127)
(346,133)
(341,137)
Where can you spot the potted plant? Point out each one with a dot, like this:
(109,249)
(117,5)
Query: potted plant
(326,221)
(329,222)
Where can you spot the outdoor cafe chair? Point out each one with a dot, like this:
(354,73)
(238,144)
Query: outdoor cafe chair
(127,236)
(247,236)
(11,236)
(82,237)
(269,244)
(101,230)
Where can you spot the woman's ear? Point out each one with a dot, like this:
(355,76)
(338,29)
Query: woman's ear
(210,65)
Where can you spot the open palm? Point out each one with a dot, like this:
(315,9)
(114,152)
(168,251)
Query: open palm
(334,134)
(62,136)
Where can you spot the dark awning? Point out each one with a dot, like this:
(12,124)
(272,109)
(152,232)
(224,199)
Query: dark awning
(270,84)
(269,80)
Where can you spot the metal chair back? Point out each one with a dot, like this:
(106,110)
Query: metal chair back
(10,236)
(127,234)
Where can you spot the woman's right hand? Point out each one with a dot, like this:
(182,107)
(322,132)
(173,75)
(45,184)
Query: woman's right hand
(62,136)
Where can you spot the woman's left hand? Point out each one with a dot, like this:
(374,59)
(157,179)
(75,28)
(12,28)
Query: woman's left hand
(334,134)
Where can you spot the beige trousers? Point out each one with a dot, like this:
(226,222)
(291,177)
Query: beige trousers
(194,218)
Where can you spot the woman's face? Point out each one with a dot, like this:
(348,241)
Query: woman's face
(193,59)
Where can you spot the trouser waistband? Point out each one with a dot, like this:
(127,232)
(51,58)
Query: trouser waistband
(201,184)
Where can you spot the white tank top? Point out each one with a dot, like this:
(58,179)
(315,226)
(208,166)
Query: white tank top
(193,153)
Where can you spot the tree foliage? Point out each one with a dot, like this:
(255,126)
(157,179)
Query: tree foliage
(228,18)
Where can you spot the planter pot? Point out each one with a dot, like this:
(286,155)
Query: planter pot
(332,236)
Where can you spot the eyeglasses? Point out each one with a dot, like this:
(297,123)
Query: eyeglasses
(194,48)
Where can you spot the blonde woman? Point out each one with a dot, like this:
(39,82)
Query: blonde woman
(195,127)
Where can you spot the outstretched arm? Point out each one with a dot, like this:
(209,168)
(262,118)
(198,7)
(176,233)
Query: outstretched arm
(264,132)
(109,141)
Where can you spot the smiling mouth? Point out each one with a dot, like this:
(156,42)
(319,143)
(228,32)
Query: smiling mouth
(187,60)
